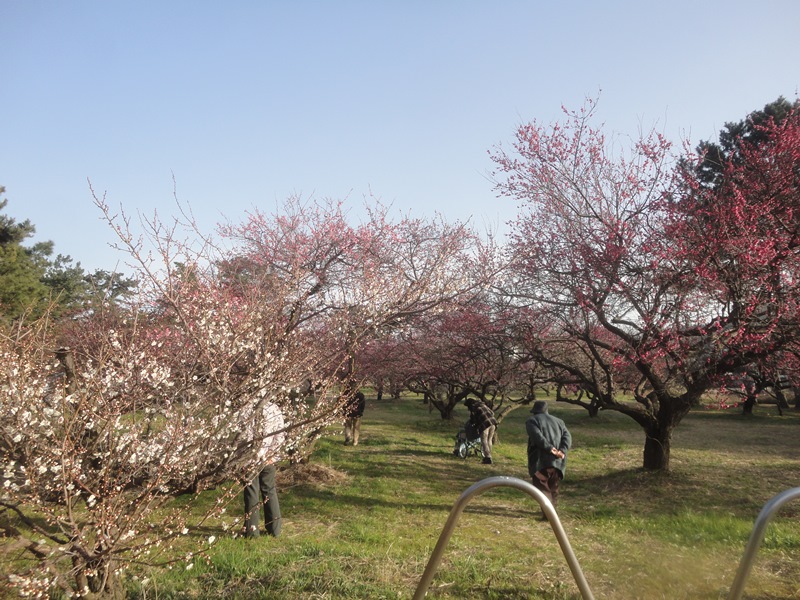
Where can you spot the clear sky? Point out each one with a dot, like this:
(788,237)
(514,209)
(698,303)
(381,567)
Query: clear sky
(244,103)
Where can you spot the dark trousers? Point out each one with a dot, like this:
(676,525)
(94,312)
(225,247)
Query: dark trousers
(258,493)
(547,480)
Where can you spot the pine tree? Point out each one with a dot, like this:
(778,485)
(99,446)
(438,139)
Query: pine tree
(21,268)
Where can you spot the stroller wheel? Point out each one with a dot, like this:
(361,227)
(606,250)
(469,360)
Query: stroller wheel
(462,450)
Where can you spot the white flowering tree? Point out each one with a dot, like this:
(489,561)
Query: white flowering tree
(106,417)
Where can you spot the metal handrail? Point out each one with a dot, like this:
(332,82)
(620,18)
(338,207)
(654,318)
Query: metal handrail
(475,490)
(756,537)
(736,591)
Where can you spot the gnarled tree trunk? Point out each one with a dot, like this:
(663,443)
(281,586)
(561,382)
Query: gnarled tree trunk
(657,444)
(99,581)
(669,411)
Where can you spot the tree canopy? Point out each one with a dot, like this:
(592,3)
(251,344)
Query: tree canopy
(32,279)
(21,268)
(652,282)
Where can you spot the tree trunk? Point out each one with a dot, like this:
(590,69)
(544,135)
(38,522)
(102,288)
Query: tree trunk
(64,355)
(747,406)
(302,455)
(657,447)
(670,410)
(780,400)
(594,410)
(98,582)
(445,409)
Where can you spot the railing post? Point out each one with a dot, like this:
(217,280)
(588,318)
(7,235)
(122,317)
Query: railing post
(481,487)
(736,591)
(756,537)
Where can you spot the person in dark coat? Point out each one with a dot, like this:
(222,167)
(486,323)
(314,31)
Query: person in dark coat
(353,411)
(549,441)
(482,417)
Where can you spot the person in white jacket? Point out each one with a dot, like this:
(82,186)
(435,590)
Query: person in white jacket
(261,491)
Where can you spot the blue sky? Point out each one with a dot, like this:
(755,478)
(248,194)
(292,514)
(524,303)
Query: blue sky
(245,103)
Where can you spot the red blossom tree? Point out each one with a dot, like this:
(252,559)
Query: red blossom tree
(469,348)
(623,259)
(741,236)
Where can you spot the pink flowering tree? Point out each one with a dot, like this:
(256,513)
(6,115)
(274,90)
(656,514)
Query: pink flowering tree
(740,234)
(654,286)
(588,256)
(359,283)
(107,417)
(467,349)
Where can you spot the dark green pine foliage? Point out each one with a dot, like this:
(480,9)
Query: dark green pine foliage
(21,268)
(733,136)
(32,281)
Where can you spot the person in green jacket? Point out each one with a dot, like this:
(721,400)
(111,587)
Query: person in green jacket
(549,441)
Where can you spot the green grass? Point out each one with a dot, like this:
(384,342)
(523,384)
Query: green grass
(369,532)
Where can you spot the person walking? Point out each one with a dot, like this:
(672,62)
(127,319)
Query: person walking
(482,417)
(549,441)
(261,493)
(353,411)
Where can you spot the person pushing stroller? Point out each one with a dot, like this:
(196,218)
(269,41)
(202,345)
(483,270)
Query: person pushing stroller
(482,417)
(468,441)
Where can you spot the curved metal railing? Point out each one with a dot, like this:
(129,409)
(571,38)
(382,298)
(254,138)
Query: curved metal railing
(756,537)
(476,489)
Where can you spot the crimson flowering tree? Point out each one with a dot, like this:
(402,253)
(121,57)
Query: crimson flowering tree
(650,293)
(105,418)
(741,236)
(468,348)
(589,258)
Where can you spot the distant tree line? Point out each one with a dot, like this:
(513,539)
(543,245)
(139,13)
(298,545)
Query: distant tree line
(33,280)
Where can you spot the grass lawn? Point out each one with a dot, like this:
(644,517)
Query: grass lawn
(367,526)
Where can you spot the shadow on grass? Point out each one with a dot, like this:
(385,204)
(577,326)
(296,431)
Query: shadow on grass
(339,501)
(704,490)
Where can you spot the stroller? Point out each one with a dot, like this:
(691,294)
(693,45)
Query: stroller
(468,441)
